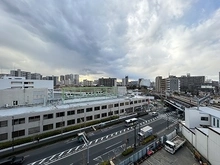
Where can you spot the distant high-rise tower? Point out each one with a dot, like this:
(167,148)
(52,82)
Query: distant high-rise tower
(76,79)
(219,79)
(126,80)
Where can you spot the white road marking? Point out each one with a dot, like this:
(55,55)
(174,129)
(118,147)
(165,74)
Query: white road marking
(42,160)
(116,133)
(102,138)
(111,135)
(33,163)
(113,145)
(90,143)
(76,148)
(70,150)
(120,131)
(96,140)
(52,157)
(106,136)
(61,154)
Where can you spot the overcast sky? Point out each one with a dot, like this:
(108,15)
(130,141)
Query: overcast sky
(111,38)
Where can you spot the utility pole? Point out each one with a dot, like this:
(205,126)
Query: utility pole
(13,133)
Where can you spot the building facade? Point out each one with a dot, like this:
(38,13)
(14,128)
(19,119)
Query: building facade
(108,82)
(191,83)
(172,84)
(24,122)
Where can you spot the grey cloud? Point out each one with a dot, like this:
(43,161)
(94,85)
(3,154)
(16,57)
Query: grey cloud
(108,38)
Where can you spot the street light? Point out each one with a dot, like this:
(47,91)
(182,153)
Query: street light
(85,140)
(13,133)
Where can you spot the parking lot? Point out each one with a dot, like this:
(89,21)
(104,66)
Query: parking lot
(182,157)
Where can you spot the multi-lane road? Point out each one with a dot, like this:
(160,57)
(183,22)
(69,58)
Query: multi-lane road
(103,144)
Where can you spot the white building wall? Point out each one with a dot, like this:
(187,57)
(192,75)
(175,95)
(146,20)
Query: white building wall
(53,110)
(213,147)
(191,118)
(202,143)
(23,96)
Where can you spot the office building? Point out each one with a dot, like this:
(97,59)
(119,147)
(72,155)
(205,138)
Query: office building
(108,82)
(36,76)
(160,84)
(35,120)
(191,83)
(172,84)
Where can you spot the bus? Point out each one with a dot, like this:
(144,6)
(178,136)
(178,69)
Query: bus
(131,122)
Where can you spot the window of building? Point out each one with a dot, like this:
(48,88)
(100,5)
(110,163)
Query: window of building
(80,120)
(97,116)
(97,108)
(88,118)
(121,104)
(131,102)
(48,116)
(126,103)
(104,114)
(110,106)
(104,107)
(34,118)
(18,133)
(143,100)
(4,123)
(71,122)
(60,124)
(122,111)
(60,114)
(33,130)
(70,112)
(116,112)
(3,136)
(47,127)
(116,105)
(89,109)
(18,121)
(213,121)
(135,102)
(139,101)
(204,118)
(80,111)
(217,123)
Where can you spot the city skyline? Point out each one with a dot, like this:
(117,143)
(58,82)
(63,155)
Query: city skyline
(141,39)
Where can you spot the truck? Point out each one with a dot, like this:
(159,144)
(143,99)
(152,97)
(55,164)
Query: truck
(145,132)
(174,144)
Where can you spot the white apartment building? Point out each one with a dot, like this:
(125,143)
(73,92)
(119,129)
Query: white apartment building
(30,121)
(202,129)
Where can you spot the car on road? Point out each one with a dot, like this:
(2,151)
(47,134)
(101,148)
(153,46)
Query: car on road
(154,114)
(14,160)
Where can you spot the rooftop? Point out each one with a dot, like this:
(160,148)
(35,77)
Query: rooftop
(75,103)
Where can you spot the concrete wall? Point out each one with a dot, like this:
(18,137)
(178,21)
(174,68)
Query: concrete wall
(193,118)
(201,143)
(213,147)
(23,96)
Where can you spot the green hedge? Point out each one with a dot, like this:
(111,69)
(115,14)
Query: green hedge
(52,133)
(148,139)
(105,163)
(128,151)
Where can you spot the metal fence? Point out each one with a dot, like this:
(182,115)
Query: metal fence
(138,155)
